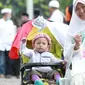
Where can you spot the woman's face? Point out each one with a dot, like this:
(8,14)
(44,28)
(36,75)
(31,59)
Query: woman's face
(80,10)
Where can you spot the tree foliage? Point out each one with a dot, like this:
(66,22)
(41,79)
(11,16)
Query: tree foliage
(43,5)
(19,6)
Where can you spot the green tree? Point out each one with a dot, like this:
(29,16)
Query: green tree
(19,6)
(43,6)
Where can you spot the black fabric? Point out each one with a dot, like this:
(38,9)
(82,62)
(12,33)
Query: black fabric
(70,9)
(8,64)
(16,67)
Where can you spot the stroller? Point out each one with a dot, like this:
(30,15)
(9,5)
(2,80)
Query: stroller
(26,67)
(25,79)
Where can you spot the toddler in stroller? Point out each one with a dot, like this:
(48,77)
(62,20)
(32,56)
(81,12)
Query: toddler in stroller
(40,54)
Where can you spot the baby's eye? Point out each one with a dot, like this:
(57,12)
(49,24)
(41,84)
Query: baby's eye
(39,43)
(44,43)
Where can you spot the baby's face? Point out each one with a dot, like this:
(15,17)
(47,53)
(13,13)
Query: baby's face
(41,45)
(80,10)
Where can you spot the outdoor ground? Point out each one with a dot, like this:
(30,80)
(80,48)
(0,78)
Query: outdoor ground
(11,81)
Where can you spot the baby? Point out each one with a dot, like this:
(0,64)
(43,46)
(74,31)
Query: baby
(40,53)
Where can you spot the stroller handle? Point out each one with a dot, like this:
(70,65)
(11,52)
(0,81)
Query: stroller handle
(30,65)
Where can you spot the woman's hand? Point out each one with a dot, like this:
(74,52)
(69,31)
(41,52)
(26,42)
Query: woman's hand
(78,40)
(23,40)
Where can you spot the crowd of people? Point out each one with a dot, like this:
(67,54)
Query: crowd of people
(73,50)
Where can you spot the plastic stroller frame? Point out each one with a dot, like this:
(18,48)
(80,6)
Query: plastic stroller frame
(58,65)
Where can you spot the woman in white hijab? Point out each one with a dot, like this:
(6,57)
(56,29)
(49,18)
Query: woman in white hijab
(74,49)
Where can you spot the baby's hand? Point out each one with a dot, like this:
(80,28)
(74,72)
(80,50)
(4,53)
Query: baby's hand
(23,40)
(64,63)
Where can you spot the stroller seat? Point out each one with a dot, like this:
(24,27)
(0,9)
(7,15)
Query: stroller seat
(25,79)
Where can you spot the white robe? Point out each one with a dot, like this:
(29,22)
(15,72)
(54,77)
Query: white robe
(56,16)
(7,34)
(77,26)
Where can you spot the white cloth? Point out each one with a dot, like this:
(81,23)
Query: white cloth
(7,34)
(36,57)
(74,57)
(78,79)
(76,1)
(6,10)
(59,31)
(56,16)
(78,63)
(54,3)
(77,26)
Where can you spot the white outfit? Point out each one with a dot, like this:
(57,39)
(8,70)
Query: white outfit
(56,16)
(78,79)
(77,26)
(74,57)
(36,57)
(7,34)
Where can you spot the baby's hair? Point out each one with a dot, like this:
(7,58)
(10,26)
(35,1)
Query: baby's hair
(41,35)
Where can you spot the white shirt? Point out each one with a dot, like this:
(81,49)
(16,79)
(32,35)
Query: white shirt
(36,57)
(7,34)
(56,16)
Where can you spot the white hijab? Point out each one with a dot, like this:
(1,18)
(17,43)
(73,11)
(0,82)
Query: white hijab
(76,25)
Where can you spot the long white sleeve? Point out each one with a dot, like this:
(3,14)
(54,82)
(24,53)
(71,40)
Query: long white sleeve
(55,60)
(24,50)
(68,49)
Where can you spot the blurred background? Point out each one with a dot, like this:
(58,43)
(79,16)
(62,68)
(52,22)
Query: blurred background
(32,7)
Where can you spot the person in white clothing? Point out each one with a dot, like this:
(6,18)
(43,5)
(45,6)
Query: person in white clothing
(55,13)
(7,34)
(74,49)
(40,54)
